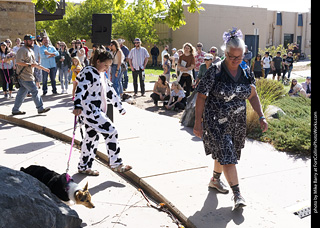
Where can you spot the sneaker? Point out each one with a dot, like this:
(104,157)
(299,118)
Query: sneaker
(62,92)
(239,201)
(44,110)
(18,113)
(219,185)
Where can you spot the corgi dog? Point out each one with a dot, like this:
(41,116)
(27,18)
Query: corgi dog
(61,185)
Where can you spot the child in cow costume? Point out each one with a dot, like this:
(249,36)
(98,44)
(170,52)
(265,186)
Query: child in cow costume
(93,94)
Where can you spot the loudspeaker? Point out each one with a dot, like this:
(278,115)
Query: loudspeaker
(101,29)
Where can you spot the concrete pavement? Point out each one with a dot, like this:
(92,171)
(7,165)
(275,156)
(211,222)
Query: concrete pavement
(171,159)
(117,203)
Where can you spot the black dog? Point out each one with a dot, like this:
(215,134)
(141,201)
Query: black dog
(59,185)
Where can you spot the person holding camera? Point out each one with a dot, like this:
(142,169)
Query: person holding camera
(26,63)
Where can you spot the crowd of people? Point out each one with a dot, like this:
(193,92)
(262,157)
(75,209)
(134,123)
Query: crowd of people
(190,64)
(222,84)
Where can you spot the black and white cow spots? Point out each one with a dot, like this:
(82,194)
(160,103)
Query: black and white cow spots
(90,99)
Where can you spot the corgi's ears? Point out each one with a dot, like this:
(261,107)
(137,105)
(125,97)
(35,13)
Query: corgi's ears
(85,187)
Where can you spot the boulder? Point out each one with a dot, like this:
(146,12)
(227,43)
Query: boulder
(273,111)
(188,116)
(26,202)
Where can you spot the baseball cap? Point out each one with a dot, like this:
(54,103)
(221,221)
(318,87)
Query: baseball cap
(137,40)
(29,37)
(174,49)
(83,41)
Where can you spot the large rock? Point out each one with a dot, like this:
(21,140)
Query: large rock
(274,112)
(188,116)
(26,202)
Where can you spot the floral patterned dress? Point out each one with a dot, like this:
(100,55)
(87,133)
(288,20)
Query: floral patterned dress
(224,119)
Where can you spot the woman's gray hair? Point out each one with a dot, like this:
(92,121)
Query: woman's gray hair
(234,42)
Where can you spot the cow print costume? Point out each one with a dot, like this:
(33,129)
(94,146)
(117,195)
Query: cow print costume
(92,95)
(224,120)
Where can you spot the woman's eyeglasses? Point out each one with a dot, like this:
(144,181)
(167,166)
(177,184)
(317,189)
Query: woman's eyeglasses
(235,57)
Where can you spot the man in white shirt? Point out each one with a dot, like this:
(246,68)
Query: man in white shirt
(138,59)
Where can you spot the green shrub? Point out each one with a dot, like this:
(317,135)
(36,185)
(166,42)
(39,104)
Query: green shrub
(269,91)
(273,50)
(291,132)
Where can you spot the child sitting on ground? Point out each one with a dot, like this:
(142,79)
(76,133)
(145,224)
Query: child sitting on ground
(178,98)
(75,68)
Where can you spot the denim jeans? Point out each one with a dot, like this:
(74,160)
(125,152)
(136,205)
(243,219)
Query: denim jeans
(288,70)
(63,75)
(125,79)
(52,79)
(266,72)
(26,86)
(154,60)
(116,81)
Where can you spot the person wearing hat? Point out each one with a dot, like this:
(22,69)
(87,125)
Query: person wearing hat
(26,63)
(208,60)
(138,59)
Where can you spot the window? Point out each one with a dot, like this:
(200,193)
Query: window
(288,39)
(300,21)
(279,18)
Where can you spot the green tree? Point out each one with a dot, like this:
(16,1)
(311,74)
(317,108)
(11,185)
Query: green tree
(137,20)
(172,10)
(132,20)
(77,21)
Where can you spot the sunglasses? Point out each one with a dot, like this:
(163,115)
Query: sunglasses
(207,59)
(213,51)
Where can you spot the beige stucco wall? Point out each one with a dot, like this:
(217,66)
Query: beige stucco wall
(17,18)
(208,26)
(216,19)
(188,32)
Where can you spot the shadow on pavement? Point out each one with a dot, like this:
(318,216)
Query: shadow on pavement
(210,216)
(29,147)
(105,185)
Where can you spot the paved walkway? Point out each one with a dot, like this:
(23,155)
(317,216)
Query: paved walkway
(171,159)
